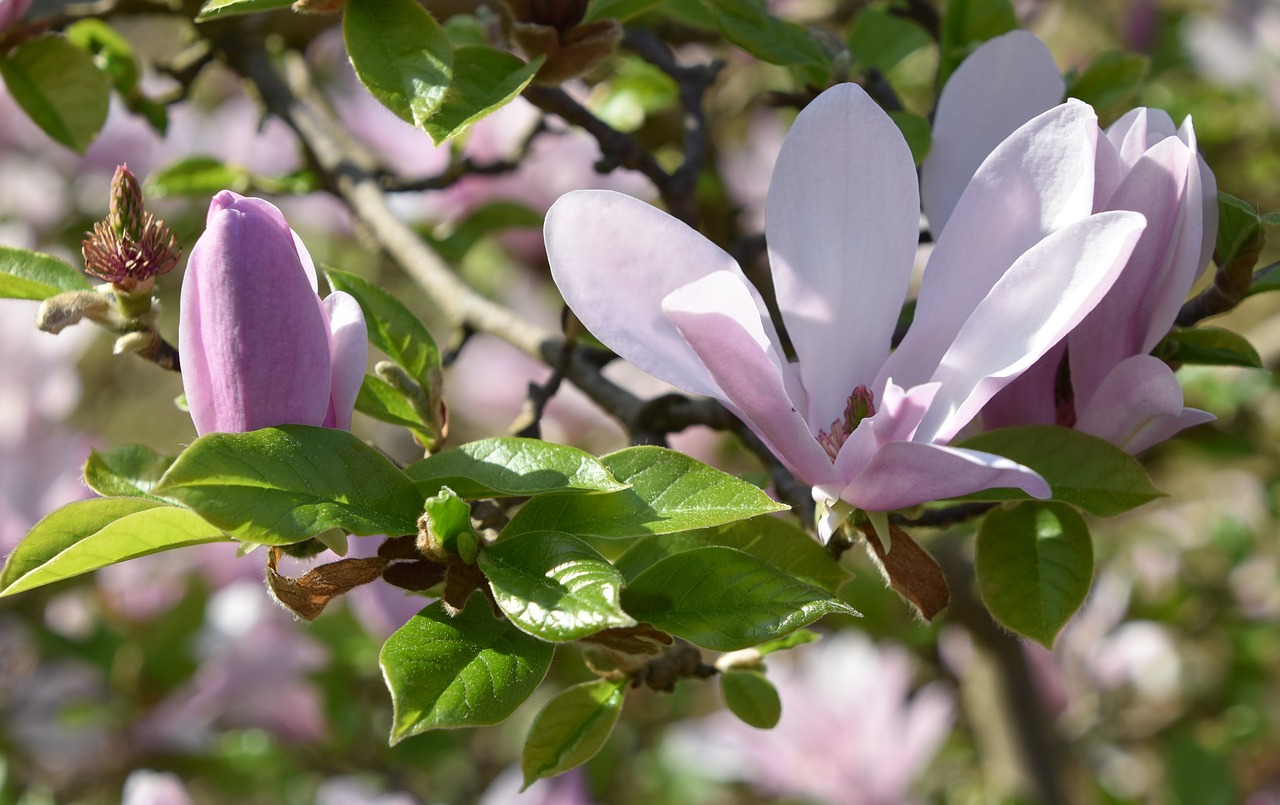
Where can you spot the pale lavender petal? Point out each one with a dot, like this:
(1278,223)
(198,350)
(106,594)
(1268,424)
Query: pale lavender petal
(614,259)
(1034,305)
(1031,398)
(1037,181)
(1139,405)
(899,412)
(308,265)
(973,116)
(349,352)
(718,318)
(842,224)
(1206,184)
(906,474)
(1137,130)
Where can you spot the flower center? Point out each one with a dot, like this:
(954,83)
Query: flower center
(859,407)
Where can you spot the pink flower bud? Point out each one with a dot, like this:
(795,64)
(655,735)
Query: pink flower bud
(11,11)
(257,346)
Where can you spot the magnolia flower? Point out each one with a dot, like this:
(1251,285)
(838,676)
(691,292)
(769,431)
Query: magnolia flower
(258,346)
(11,11)
(1024,260)
(1144,163)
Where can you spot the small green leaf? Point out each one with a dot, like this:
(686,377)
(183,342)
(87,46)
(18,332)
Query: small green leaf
(799,637)
(723,599)
(447,519)
(1034,563)
(379,400)
(392,327)
(878,39)
(915,130)
(1111,79)
(749,25)
(554,586)
(130,470)
(1241,234)
(484,80)
(490,219)
(282,485)
(90,534)
(112,53)
(1082,470)
(620,10)
(752,698)
(570,729)
(512,467)
(1208,346)
(966,24)
(214,9)
(32,275)
(769,539)
(400,54)
(464,671)
(60,89)
(198,176)
(669,492)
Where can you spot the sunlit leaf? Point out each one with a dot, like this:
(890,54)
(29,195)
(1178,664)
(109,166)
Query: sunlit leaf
(571,728)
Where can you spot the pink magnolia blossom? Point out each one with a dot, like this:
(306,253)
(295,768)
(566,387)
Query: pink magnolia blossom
(1144,163)
(258,346)
(1025,259)
(11,11)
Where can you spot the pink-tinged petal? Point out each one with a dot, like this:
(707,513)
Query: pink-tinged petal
(349,352)
(842,222)
(1204,183)
(899,414)
(1138,405)
(614,259)
(718,317)
(973,117)
(308,265)
(906,474)
(252,337)
(1030,399)
(1037,181)
(1137,130)
(1034,305)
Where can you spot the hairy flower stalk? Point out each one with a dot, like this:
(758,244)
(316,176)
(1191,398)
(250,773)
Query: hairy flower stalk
(1024,261)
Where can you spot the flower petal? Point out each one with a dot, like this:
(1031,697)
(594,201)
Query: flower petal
(972,119)
(1139,404)
(842,224)
(349,352)
(906,474)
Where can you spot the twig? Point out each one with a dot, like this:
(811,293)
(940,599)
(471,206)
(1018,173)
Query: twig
(1215,299)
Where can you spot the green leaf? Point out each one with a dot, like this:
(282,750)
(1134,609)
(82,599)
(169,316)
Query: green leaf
(723,599)
(484,80)
(1268,280)
(769,539)
(111,52)
(90,534)
(1034,563)
(1241,235)
(878,39)
(392,327)
(570,729)
(1111,79)
(282,485)
(1082,470)
(751,697)
(464,671)
(799,637)
(1208,346)
(554,586)
(620,10)
(130,470)
(32,275)
(511,466)
(198,176)
(493,217)
(400,54)
(749,25)
(966,24)
(915,130)
(214,9)
(378,399)
(447,520)
(669,492)
(60,89)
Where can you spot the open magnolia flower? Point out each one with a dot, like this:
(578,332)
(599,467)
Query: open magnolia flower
(1023,261)
(258,347)
(1118,391)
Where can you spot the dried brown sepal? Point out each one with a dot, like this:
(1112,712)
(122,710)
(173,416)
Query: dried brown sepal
(579,51)
(641,639)
(308,595)
(416,576)
(681,661)
(460,581)
(910,571)
(400,548)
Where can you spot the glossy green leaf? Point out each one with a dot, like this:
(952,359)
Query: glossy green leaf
(878,39)
(400,54)
(60,89)
(281,485)
(669,492)
(800,637)
(198,176)
(512,467)
(464,671)
(966,24)
(751,697)
(749,25)
(484,80)
(378,399)
(447,520)
(1110,79)
(1082,470)
(1208,346)
(489,219)
(130,470)
(769,539)
(1034,563)
(570,729)
(916,131)
(1241,234)
(111,52)
(32,275)
(392,327)
(90,534)
(554,586)
(723,599)
(621,10)
(214,9)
